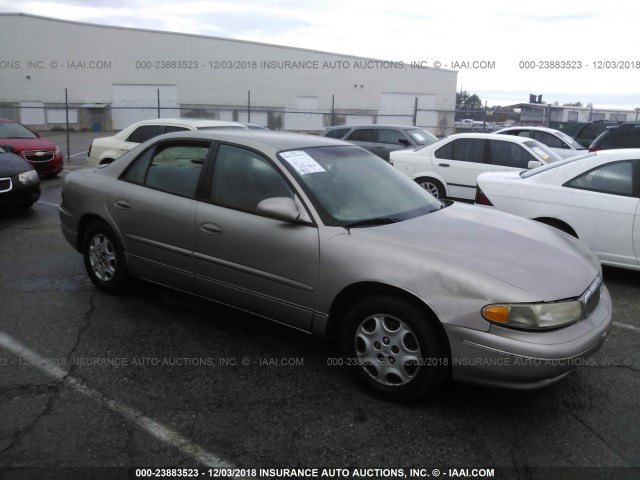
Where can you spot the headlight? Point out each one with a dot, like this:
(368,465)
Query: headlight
(28,178)
(534,316)
(58,151)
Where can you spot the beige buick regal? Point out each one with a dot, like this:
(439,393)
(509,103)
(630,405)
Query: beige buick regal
(327,238)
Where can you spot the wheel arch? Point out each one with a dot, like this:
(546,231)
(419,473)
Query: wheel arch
(557,223)
(88,220)
(432,176)
(358,291)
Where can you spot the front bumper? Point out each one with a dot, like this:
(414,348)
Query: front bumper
(15,194)
(56,165)
(518,359)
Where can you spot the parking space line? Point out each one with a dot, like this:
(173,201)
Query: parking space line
(48,203)
(627,326)
(152,427)
(78,154)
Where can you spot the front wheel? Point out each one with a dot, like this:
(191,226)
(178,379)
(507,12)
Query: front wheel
(103,258)
(395,349)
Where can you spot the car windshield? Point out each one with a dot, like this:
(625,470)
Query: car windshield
(570,141)
(421,137)
(15,130)
(542,151)
(551,166)
(349,185)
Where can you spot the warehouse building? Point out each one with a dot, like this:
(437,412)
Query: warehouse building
(104,78)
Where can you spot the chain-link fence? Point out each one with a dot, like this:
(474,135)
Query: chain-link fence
(109,117)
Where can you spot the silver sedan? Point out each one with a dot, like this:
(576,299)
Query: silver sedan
(325,237)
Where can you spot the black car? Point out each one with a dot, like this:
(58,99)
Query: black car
(19,182)
(624,135)
(382,139)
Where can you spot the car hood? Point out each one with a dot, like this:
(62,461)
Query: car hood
(20,144)
(11,164)
(472,242)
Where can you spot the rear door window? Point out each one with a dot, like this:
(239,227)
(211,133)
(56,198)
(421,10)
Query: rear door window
(337,133)
(469,150)
(614,178)
(145,132)
(173,168)
(362,135)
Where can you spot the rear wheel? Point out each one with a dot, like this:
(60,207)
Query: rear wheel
(434,187)
(394,349)
(103,258)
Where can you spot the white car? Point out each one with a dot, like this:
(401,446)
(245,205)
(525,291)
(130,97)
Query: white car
(449,167)
(594,197)
(107,149)
(558,141)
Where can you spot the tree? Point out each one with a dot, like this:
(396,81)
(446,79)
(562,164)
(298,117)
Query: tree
(468,106)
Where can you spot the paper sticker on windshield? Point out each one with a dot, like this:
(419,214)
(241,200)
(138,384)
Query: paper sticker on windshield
(419,137)
(302,162)
(540,153)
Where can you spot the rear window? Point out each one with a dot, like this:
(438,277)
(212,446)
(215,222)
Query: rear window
(625,137)
(550,166)
(337,133)
(145,132)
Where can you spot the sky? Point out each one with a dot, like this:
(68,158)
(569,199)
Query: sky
(566,51)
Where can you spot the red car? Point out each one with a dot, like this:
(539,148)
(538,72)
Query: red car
(45,156)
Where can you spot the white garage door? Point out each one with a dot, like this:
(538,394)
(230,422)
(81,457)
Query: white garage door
(133,103)
(304,118)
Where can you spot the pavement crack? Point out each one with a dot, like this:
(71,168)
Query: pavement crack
(48,408)
(87,317)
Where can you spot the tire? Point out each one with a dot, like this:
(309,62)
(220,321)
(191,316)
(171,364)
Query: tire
(434,187)
(103,258)
(394,349)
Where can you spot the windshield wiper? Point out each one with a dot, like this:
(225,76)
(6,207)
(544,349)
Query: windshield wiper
(372,221)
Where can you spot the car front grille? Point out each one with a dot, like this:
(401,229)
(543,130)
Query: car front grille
(591,297)
(5,185)
(39,155)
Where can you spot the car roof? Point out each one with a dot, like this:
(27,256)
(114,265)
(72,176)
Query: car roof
(491,136)
(193,122)
(524,127)
(264,140)
(373,125)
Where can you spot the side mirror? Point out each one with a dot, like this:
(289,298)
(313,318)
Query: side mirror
(533,164)
(282,208)
(404,141)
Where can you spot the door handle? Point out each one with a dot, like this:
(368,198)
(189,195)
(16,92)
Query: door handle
(211,228)
(122,204)
(443,165)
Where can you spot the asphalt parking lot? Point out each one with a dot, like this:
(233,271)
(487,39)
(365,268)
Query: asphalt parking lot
(155,378)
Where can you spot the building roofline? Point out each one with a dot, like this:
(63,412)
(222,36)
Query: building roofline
(208,37)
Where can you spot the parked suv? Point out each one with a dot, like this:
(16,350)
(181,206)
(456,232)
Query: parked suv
(382,139)
(625,135)
(590,131)
(44,156)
